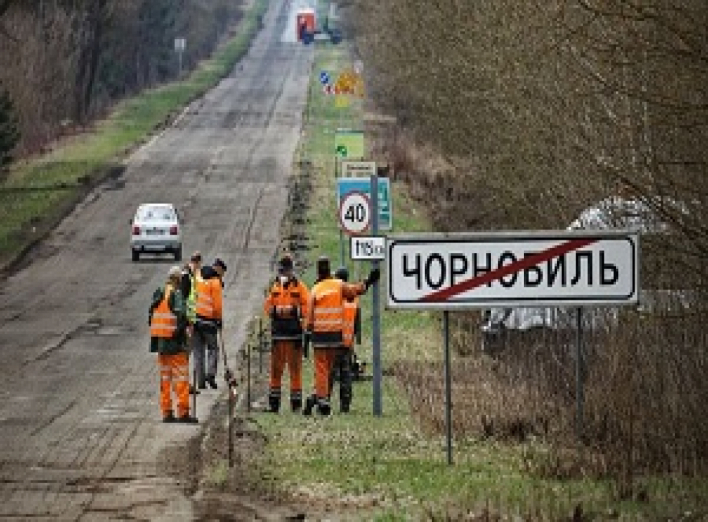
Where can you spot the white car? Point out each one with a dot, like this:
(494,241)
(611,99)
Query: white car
(156,228)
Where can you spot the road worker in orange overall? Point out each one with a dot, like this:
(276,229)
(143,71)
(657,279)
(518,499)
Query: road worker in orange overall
(343,360)
(168,337)
(325,324)
(286,305)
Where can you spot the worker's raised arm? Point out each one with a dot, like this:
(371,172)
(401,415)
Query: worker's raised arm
(351,290)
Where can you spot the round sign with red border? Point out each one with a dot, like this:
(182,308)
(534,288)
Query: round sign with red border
(355,212)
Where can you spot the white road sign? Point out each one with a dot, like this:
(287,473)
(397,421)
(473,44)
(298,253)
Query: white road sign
(355,212)
(555,268)
(365,248)
(357,169)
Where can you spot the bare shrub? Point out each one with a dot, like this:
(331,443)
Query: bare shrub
(519,115)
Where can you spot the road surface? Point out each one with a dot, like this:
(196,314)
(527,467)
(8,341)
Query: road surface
(81,430)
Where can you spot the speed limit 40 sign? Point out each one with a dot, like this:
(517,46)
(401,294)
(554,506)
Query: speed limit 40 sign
(355,212)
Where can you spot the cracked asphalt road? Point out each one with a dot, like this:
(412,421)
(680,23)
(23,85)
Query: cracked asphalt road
(79,418)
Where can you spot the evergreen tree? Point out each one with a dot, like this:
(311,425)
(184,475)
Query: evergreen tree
(9,129)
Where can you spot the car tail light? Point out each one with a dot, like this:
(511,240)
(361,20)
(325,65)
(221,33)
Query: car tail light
(136,230)
(174,230)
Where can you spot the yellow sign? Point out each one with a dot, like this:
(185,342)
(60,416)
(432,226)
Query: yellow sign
(350,82)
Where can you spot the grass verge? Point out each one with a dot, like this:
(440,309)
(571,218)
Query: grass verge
(389,467)
(38,192)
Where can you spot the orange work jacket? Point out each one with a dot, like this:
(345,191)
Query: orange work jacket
(209,298)
(325,317)
(351,308)
(286,305)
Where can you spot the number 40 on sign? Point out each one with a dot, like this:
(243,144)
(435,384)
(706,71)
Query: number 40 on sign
(355,212)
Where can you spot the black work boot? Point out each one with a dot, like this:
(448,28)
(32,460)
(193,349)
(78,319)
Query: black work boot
(274,403)
(309,404)
(296,404)
(323,407)
(187,419)
(345,399)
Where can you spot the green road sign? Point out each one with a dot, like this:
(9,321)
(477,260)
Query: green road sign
(349,143)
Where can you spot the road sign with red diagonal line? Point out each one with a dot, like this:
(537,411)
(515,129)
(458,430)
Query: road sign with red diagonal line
(537,268)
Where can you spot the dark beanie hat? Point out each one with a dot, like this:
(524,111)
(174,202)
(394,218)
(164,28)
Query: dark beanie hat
(323,268)
(219,262)
(286,262)
(342,273)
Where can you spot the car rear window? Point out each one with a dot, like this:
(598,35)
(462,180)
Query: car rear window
(156,213)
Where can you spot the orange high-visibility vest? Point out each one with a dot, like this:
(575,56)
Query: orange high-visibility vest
(350,309)
(207,307)
(164,322)
(327,313)
(287,306)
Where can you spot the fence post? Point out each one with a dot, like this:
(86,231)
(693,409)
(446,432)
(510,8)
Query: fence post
(261,346)
(248,375)
(231,428)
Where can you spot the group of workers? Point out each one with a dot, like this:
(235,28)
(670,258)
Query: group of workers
(186,316)
(328,318)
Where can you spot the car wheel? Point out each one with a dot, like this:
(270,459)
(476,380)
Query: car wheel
(136,255)
(178,254)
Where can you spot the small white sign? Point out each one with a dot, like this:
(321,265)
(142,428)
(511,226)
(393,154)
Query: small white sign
(180,44)
(355,212)
(365,248)
(358,169)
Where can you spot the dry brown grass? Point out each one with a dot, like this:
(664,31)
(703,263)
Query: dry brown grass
(647,373)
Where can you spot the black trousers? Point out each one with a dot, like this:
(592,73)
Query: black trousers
(342,371)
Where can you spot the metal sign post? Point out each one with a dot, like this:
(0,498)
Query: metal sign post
(341,232)
(448,387)
(180,46)
(375,297)
(579,375)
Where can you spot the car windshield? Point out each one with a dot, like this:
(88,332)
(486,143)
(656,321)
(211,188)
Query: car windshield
(156,213)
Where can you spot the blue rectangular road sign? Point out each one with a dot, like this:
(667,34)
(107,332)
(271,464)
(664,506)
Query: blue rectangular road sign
(347,185)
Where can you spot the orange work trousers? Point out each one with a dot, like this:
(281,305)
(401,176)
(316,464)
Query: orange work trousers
(324,361)
(286,353)
(174,376)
